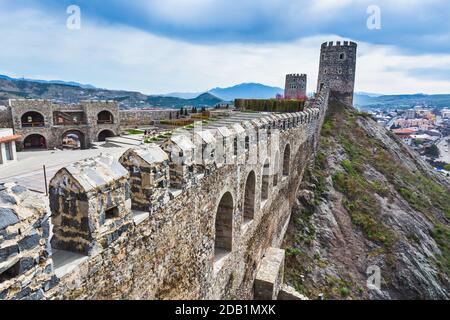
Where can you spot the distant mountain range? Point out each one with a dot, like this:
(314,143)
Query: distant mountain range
(243,91)
(247,91)
(203,100)
(68,83)
(73,92)
(370,101)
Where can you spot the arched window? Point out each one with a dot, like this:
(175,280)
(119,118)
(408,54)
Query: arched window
(286,160)
(105,117)
(224,226)
(265,181)
(32,119)
(247,143)
(249,197)
(73,139)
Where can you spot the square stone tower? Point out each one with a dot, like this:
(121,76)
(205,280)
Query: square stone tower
(337,70)
(295,87)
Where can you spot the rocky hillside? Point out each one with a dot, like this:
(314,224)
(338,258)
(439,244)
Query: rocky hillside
(368,201)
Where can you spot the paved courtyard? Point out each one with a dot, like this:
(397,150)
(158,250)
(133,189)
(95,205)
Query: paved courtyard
(28,171)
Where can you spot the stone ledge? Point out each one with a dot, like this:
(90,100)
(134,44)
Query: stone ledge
(269,277)
(65,262)
(140,216)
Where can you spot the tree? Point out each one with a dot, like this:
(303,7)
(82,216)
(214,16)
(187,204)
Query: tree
(432,151)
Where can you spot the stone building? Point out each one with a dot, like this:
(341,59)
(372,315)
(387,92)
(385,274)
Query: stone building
(8,146)
(295,87)
(337,70)
(149,177)
(90,203)
(46,125)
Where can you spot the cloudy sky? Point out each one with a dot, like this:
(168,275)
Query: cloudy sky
(159,46)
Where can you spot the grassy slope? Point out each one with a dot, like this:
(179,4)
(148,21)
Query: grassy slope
(360,198)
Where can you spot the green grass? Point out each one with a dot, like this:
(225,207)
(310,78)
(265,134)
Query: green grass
(135,132)
(441,234)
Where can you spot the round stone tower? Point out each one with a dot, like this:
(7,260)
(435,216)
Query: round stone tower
(295,86)
(337,70)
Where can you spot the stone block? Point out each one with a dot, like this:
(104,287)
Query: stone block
(269,277)
(7,218)
(29,242)
(7,252)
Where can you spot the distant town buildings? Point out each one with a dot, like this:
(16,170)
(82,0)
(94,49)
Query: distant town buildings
(445,113)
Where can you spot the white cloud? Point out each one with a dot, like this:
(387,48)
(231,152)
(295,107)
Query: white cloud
(119,57)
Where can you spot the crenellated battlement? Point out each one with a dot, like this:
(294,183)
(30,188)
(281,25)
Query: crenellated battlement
(331,44)
(296,75)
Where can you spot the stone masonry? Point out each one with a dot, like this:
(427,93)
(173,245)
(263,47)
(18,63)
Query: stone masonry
(337,70)
(170,249)
(198,216)
(295,87)
(52,121)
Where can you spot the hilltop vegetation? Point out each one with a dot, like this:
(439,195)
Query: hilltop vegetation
(369,201)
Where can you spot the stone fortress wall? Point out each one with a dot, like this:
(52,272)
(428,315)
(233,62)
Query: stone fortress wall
(295,86)
(337,69)
(205,240)
(132,118)
(198,216)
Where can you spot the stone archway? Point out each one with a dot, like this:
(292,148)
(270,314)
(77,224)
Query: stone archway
(224,226)
(249,197)
(105,134)
(73,139)
(35,142)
